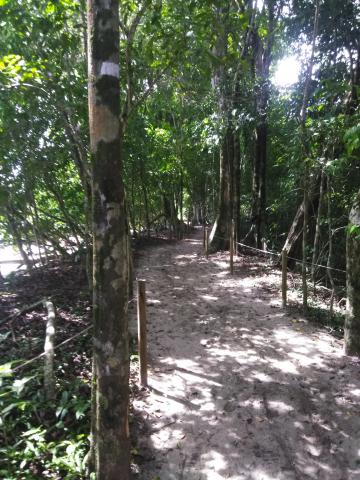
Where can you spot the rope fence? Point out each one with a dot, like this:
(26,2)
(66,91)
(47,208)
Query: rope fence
(141,298)
(56,347)
(277,254)
(284,264)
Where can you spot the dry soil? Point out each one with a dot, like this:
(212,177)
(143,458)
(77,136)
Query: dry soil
(238,387)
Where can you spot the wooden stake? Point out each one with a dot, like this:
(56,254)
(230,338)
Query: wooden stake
(284,278)
(142,345)
(49,377)
(232,248)
(206,242)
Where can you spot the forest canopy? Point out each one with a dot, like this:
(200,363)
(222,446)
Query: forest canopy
(122,120)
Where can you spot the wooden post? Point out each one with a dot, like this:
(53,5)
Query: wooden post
(232,248)
(206,242)
(204,235)
(49,377)
(284,278)
(142,346)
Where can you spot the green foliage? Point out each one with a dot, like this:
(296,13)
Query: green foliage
(352,139)
(39,439)
(354,230)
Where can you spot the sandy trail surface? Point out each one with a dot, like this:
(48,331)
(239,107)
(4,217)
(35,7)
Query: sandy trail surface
(239,388)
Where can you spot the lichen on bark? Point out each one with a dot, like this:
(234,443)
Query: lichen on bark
(110,448)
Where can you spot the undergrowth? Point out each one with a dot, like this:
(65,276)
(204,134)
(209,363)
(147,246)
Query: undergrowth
(39,439)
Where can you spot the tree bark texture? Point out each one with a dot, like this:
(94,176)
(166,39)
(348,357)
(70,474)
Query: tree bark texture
(219,237)
(262,60)
(352,321)
(110,247)
(318,227)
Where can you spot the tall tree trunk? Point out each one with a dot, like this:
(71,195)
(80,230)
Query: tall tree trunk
(146,201)
(330,254)
(110,247)
(219,237)
(317,228)
(304,243)
(262,60)
(236,188)
(259,184)
(305,145)
(352,321)
(221,230)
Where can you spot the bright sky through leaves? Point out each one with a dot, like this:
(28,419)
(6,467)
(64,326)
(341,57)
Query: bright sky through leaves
(286,72)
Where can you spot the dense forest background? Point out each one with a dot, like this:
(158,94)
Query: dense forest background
(193,75)
(208,132)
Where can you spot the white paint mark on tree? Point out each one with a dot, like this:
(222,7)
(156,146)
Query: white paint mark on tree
(109,68)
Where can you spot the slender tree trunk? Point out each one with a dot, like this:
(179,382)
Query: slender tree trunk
(259,184)
(132,211)
(317,228)
(262,61)
(236,188)
(18,240)
(181,206)
(73,225)
(297,225)
(303,116)
(110,247)
(304,243)
(146,203)
(219,237)
(352,321)
(330,254)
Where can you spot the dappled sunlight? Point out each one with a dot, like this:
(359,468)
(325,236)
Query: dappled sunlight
(259,474)
(208,297)
(285,366)
(239,389)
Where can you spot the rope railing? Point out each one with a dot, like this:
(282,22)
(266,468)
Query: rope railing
(146,268)
(298,260)
(56,347)
(283,256)
(277,254)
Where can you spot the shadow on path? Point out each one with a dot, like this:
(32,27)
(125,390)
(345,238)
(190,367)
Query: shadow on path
(238,388)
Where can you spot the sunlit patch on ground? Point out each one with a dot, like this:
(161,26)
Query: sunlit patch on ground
(240,388)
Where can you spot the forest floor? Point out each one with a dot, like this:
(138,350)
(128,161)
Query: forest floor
(239,388)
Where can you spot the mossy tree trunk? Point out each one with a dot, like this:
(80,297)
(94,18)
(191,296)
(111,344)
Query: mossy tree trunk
(352,322)
(110,247)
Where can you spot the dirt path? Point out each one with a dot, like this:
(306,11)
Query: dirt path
(239,389)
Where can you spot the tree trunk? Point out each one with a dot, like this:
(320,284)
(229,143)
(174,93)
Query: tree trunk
(352,321)
(304,243)
(146,201)
(330,254)
(262,50)
(259,184)
(296,226)
(19,243)
(110,247)
(317,228)
(236,189)
(306,149)
(219,237)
